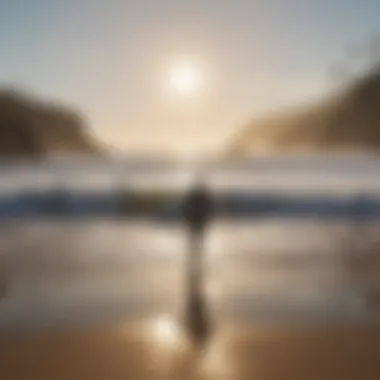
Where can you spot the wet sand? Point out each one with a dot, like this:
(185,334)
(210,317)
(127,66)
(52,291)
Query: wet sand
(160,350)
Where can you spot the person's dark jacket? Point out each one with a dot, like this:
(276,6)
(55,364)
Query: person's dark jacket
(198,208)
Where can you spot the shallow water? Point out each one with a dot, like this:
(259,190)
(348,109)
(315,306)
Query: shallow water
(274,270)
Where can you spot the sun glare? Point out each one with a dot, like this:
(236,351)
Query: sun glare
(166,330)
(185,78)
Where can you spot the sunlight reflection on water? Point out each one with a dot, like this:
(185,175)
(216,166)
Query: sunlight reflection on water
(166,331)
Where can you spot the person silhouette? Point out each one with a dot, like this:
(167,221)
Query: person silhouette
(198,210)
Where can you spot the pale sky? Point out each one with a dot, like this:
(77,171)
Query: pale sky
(111,59)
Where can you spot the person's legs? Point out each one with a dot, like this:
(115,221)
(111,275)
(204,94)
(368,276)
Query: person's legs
(196,313)
(195,258)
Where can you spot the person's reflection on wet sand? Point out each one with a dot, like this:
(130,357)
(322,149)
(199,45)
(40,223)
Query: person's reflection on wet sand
(197,215)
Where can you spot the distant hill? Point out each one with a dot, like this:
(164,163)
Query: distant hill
(347,121)
(30,128)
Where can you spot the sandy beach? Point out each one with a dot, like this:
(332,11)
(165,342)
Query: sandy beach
(159,350)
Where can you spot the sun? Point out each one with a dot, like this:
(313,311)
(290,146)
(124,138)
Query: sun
(185,78)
